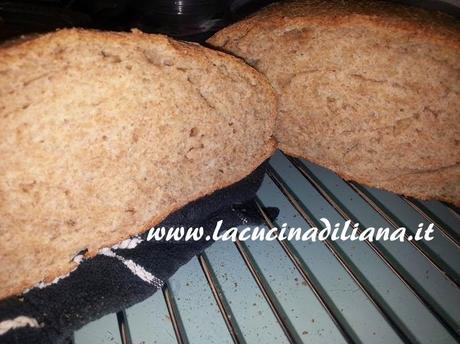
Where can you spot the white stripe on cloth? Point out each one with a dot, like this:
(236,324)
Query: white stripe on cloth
(136,269)
(20,321)
(77,259)
(128,243)
(125,244)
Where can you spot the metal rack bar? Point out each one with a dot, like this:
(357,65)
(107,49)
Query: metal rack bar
(443,215)
(124,327)
(395,222)
(418,207)
(348,216)
(268,295)
(452,207)
(181,336)
(344,294)
(331,247)
(149,321)
(224,308)
(344,329)
(237,287)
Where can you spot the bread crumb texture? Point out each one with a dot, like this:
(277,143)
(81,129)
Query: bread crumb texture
(104,134)
(367,88)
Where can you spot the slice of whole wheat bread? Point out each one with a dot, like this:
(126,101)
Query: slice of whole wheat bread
(367,88)
(102,135)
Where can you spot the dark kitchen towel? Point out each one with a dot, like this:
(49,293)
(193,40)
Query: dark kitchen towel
(121,276)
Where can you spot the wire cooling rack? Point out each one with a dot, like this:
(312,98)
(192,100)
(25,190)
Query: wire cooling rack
(309,292)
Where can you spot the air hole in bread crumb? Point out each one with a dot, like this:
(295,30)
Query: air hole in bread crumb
(27,187)
(111,57)
(104,137)
(71,222)
(58,50)
(193,132)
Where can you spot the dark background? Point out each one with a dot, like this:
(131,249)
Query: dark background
(193,20)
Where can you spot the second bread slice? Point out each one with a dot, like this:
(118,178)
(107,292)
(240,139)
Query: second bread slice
(368,89)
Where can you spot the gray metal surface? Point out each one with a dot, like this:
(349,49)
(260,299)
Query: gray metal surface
(309,292)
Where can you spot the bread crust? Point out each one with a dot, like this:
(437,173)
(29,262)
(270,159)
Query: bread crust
(402,187)
(436,26)
(15,55)
(374,46)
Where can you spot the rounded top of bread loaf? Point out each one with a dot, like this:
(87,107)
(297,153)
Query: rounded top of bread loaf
(386,15)
(18,48)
